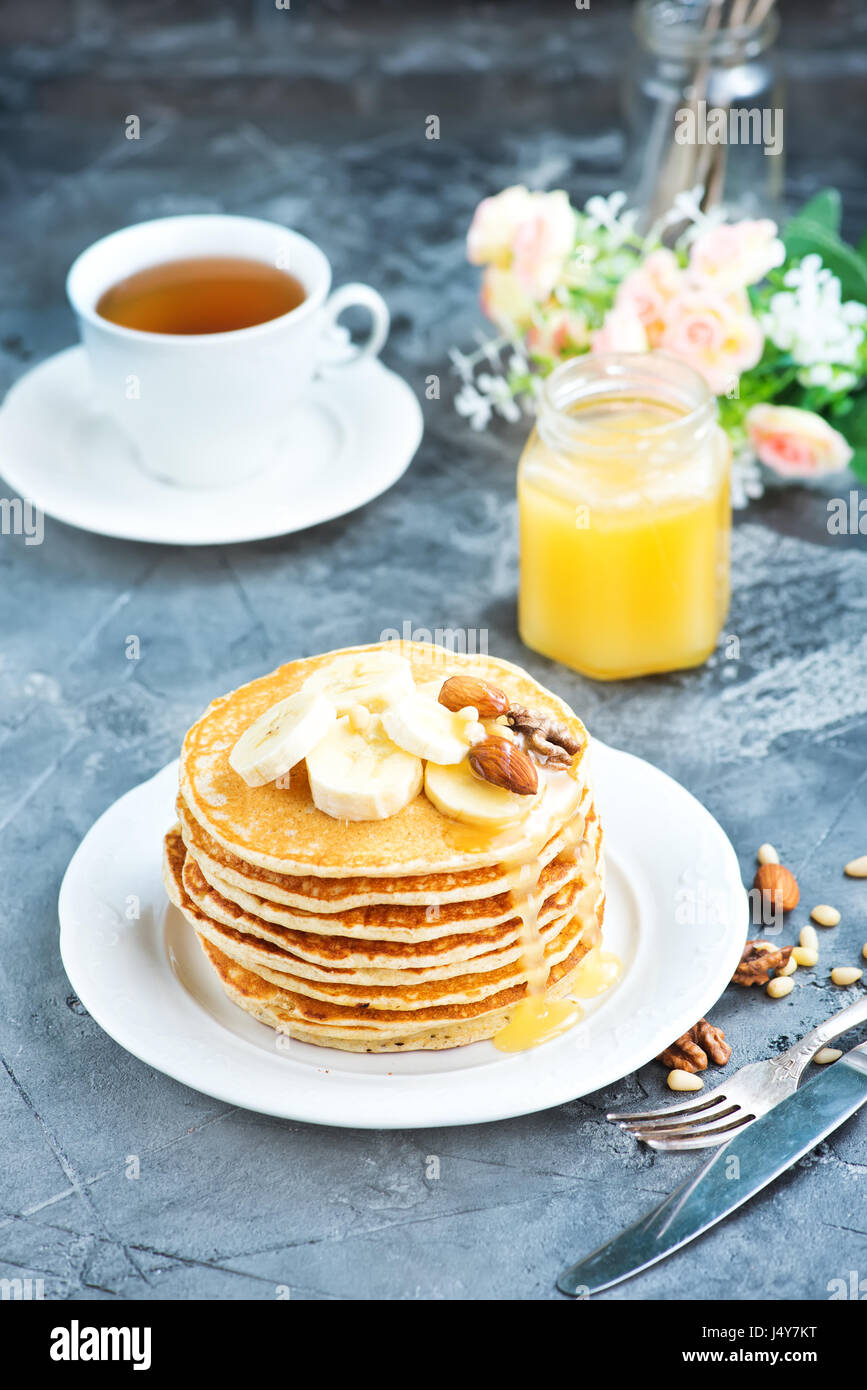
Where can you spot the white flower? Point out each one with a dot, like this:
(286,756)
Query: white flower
(808,319)
(746,478)
(609,214)
(498,392)
(462,364)
(824,374)
(472,406)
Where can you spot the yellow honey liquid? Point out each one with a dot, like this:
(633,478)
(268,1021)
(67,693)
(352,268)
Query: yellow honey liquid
(624,553)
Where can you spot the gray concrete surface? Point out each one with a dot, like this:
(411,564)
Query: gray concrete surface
(315,117)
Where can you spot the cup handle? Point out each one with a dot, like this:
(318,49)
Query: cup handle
(343,354)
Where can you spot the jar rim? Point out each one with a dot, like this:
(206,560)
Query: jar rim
(604,376)
(664,33)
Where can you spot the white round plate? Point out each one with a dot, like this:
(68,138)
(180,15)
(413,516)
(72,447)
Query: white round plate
(676,915)
(352,439)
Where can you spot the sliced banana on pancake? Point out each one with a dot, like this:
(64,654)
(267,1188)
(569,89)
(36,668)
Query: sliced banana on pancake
(422,726)
(359,774)
(375,679)
(281,737)
(456,792)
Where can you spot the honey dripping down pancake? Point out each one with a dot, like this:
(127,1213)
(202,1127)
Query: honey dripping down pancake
(394,847)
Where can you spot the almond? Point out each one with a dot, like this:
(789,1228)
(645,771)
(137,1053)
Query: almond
(505,765)
(778,885)
(458,692)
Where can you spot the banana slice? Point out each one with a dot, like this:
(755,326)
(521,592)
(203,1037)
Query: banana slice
(426,728)
(359,774)
(374,679)
(281,737)
(457,793)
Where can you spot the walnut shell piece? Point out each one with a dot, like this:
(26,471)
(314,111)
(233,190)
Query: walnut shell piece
(759,960)
(546,737)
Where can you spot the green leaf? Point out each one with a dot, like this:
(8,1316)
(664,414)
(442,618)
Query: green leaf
(803,237)
(825,209)
(861,248)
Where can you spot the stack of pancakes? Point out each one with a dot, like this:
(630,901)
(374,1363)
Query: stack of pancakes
(403,933)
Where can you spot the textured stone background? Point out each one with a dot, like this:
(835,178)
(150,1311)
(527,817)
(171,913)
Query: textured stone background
(315,117)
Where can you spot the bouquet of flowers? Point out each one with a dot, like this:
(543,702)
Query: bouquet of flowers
(776,323)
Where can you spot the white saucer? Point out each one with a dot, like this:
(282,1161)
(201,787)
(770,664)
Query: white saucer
(676,915)
(351,441)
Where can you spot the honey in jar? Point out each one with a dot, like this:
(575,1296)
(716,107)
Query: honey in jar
(625,518)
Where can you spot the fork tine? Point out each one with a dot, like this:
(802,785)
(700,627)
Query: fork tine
(628,1116)
(711,1114)
(704,1140)
(714,1126)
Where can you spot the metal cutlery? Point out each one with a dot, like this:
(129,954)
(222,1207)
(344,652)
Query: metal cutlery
(713,1117)
(752,1158)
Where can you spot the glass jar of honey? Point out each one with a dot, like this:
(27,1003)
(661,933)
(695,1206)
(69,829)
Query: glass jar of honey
(625,517)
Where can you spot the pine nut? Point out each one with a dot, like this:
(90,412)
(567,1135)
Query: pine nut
(857,868)
(826,916)
(684,1081)
(469,713)
(864,950)
(809,938)
(826,1055)
(804,956)
(846,974)
(789,968)
(780,986)
(766,854)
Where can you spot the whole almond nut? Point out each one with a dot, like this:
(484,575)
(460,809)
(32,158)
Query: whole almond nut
(778,886)
(505,765)
(460,691)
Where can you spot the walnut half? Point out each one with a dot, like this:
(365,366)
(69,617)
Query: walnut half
(691,1051)
(758,960)
(546,737)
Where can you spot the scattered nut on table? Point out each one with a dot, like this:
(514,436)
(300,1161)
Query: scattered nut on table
(766,854)
(684,1081)
(825,915)
(857,868)
(758,960)
(779,987)
(809,938)
(778,886)
(846,974)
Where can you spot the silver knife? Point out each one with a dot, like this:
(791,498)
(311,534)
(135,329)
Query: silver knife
(762,1151)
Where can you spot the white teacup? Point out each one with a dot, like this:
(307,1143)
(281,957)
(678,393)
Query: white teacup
(203,410)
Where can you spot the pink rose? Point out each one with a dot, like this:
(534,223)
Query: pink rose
(796,443)
(532,234)
(733,255)
(542,242)
(647,289)
(561,330)
(492,230)
(621,331)
(716,333)
(505,302)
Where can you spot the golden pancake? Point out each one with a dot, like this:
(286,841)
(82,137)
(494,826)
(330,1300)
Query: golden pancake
(414,929)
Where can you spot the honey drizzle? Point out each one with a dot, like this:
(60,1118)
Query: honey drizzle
(536,1018)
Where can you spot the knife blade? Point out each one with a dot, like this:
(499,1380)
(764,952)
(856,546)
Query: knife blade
(763,1151)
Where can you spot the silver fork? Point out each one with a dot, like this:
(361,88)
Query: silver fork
(713,1117)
